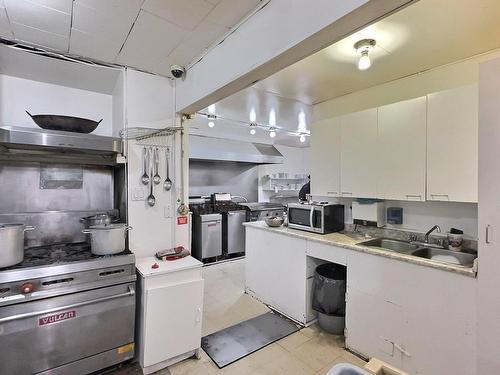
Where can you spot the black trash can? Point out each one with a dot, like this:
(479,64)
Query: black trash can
(329,287)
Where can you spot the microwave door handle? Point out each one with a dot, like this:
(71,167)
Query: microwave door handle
(311,214)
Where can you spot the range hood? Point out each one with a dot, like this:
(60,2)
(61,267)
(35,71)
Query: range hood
(219,149)
(18,143)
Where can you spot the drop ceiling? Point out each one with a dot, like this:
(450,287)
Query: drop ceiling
(427,34)
(149,35)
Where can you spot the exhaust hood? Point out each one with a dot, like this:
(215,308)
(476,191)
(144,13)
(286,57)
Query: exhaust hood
(37,144)
(219,149)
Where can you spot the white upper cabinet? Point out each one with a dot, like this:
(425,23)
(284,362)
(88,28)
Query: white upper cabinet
(452,144)
(359,164)
(325,158)
(402,148)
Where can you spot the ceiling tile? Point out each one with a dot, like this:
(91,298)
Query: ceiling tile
(213,2)
(186,13)
(113,5)
(40,17)
(183,54)
(4,24)
(205,34)
(113,24)
(151,40)
(229,12)
(40,37)
(93,46)
(60,5)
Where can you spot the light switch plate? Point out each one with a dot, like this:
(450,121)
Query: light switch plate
(138,194)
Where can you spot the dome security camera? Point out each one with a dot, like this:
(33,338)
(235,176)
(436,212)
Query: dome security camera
(177,71)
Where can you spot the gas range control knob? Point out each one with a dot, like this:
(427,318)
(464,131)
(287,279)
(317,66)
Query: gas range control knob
(155,266)
(27,288)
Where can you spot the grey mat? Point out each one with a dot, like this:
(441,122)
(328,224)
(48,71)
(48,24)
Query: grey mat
(233,343)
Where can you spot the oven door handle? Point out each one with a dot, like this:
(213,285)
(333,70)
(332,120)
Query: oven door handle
(311,214)
(131,292)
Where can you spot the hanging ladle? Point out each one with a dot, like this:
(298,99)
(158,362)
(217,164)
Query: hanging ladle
(167,184)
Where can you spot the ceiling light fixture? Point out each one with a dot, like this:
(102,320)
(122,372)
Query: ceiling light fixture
(211,120)
(363,47)
(272,132)
(253,128)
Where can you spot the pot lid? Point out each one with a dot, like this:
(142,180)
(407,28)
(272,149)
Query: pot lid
(108,226)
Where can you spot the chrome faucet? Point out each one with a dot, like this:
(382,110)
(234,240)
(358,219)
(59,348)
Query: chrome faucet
(434,228)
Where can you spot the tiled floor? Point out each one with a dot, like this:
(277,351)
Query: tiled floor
(308,351)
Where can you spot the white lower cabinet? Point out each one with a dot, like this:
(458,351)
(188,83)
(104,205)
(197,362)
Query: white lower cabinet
(276,271)
(419,319)
(170,311)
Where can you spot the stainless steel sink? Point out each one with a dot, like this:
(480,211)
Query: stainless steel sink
(422,251)
(391,245)
(445,256)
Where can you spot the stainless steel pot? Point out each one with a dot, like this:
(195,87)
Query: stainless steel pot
(99,219)
(12,243)
(107,239)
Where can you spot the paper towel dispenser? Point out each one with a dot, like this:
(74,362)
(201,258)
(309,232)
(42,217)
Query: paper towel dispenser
(369,214)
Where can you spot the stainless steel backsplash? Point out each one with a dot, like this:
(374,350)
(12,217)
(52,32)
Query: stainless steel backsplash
(207,177)
(54,208)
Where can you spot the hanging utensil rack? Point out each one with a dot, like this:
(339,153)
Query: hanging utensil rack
(141,134)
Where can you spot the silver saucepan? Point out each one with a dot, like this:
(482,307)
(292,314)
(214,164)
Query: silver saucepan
(107,239)
(12,243)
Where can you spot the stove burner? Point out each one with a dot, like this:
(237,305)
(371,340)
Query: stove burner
(58,254)
(217,208)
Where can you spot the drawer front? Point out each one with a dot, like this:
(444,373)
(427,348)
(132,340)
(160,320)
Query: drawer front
(326,252)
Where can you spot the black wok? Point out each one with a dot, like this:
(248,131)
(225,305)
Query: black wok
(65,123)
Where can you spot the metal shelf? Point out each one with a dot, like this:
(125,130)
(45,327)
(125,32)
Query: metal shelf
(140,134)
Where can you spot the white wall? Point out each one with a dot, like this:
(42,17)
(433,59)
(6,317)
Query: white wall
(296,162)
(421,216)
(149,104)
(18,95)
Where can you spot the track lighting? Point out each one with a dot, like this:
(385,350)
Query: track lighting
(211,120)
(302,138)
(272,132)
(253,128)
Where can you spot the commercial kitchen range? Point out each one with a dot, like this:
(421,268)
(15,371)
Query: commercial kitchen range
(63,310)
(218,232)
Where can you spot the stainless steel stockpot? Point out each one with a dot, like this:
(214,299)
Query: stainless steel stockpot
(12,243)
(107,239)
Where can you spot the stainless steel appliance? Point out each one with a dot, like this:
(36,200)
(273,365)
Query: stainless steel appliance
(257,211)
(207,236)
(233,231)
(64,310)
(316,217)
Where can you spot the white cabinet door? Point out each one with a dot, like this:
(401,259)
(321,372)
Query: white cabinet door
(275,267)
(325,158)
(402,147)
(452,144)
(358,155)
(172,321)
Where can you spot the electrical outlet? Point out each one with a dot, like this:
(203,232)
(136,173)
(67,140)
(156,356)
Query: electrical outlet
(138,194)
(167,211)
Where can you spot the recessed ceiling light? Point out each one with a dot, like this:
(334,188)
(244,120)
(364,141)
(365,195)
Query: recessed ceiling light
(363,48)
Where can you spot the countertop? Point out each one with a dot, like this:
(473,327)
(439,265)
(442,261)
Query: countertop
(350,241)
(145,265)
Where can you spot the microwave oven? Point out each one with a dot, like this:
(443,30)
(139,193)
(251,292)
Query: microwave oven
(316,217)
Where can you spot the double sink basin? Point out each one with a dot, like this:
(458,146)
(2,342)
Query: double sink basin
(422,251)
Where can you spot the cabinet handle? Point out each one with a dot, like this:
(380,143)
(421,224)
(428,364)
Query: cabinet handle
(440,195)
(487,237)
(332,193)
(414,196)
(346,193)
(198,315)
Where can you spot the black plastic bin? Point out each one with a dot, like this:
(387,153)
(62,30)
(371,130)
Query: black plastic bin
(329,287)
